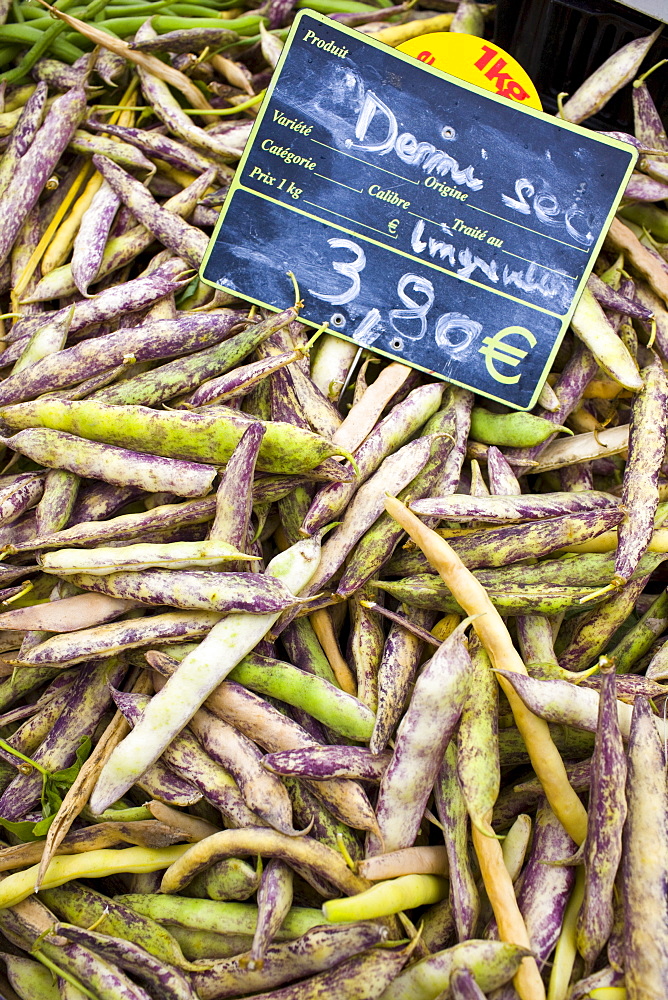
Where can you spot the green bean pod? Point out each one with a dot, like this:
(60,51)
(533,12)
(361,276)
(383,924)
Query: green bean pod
(478,740)
(339,711)
(81,905)
(517,429)
(205,437)
(31,980)
(452,812)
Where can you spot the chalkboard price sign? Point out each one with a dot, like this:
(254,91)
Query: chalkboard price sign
(424,218)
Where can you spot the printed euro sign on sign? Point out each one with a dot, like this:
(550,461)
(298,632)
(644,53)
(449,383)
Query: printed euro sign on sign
(431,221)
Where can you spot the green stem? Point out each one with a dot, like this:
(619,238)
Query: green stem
(44,44)
(16,753)
(57,971)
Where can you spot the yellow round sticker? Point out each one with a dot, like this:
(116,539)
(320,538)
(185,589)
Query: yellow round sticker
(477,61)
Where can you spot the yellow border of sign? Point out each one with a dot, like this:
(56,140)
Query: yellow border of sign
(476,60)
(488,95)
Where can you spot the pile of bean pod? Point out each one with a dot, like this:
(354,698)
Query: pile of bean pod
(317,679)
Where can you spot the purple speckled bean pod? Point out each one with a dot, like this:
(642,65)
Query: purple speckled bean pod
(78,904)
(153,473)
(185,240)
(204,590)
(365,976)
(60,493)
(120,153)
(154,143)
(13,352)
(649,130)
(617,70)
(129,296)
(394,473)
(576,477)
(34,730)
(25,245)
(23,134)
(170,983)
(562,702)
(91,239)
(640,492)
(478,740)
(37,164)
(99,502)
(274,899)
(284,404)
(238,382)
(320,412)
(188,760)
(104,640)
(440,476)
(234,497)
(607,813)
(591,632)
(185,374)
(493,963)
(108,982)
(545,887)
(390,433)
(502,479)
(365,646)
(115,301)
(159,339)
(640,187)
(235,134)
(511,544)
(493,509)
(59,75)
(273,731)
(209,437)
(611,299)
(399,662)
(166,786)
(24,492)
(463,985)
(304,650)
(90,693)
(629,686)
(318,949)
(452,812)
(109,65)
(645,860)
(263,792)
(422,737)
(187,40)
(322,762)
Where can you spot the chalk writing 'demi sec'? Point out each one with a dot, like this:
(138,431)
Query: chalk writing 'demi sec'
(406,145)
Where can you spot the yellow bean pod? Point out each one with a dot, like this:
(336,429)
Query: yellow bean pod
(92,864)
(385,898)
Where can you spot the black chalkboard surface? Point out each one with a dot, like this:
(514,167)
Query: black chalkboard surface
(424,218)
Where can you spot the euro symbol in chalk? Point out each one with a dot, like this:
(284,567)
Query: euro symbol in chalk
(496,350)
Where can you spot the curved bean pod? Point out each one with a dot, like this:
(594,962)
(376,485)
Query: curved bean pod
(306,854)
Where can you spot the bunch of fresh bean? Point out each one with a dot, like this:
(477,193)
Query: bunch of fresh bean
(252,640)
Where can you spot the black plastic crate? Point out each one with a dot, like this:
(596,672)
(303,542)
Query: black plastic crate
(560,42)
